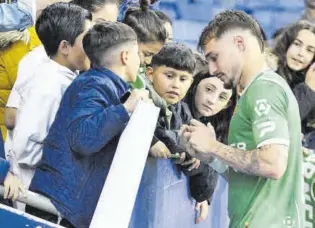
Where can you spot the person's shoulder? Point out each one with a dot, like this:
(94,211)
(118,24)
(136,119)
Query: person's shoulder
(34,57)
(93,79)
(44,79)
(269,82)
(269,87)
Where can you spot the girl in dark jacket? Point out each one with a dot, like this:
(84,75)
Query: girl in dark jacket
(210,102)
(295,50)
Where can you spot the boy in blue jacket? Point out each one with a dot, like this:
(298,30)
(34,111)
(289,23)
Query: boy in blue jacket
(82,141)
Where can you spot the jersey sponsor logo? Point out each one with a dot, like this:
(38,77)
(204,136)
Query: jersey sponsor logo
(266,127)
(262,107)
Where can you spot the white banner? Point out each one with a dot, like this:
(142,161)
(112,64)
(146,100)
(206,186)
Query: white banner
(119,193)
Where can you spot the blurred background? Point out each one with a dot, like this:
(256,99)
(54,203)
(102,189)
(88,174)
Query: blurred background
(190,16)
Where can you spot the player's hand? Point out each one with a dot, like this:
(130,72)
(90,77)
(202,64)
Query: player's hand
(159,150)
(203,209)
(199,140)
(12,187)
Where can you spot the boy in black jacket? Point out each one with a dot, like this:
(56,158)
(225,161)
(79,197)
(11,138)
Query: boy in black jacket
(168,80)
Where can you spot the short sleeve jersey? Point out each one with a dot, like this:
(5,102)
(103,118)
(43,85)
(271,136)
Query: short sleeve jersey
(267,113)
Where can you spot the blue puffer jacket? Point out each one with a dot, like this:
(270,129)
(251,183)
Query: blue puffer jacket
(4,164)
(81,143)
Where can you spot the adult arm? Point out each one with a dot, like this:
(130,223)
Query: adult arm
(267,112)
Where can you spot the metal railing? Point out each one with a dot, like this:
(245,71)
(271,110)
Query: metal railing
(35,200)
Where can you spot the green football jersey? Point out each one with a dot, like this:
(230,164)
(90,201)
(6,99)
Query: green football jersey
(140,82)
(267,113)
(309,189)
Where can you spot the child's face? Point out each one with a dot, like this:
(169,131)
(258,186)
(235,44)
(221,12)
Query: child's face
(171,84)
(147,50)
(301,52)
(211,97)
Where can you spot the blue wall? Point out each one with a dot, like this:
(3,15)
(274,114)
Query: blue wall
(191,16)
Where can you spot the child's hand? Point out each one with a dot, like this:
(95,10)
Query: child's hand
(12,187)
(135,96)
(159,150)
(202,208)
(193,162)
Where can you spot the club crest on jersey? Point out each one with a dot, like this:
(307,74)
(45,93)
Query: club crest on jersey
(262,107)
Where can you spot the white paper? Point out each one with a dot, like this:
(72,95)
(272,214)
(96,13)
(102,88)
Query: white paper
(119,193)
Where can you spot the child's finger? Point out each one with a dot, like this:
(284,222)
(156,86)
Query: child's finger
(195,165)
(15,193)
(11,193)
(189,162)
(198,206)
(203,213)
(6,191)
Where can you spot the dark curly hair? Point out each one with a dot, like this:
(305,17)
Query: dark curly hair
(228,20)
(282,45)
(220,121)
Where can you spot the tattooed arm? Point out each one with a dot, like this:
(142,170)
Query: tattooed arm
(267,161)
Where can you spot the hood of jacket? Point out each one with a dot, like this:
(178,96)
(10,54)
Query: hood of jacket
(9,38)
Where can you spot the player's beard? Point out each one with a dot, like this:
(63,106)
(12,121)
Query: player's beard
(228,82)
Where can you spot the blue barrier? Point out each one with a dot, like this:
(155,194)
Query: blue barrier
(12,218)
(218,213)
(164,201)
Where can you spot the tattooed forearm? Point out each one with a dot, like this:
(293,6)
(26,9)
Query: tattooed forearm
(267,161)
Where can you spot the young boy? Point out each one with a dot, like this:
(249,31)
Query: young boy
(40,98)
(82,141)
(171,76)
(100,9)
